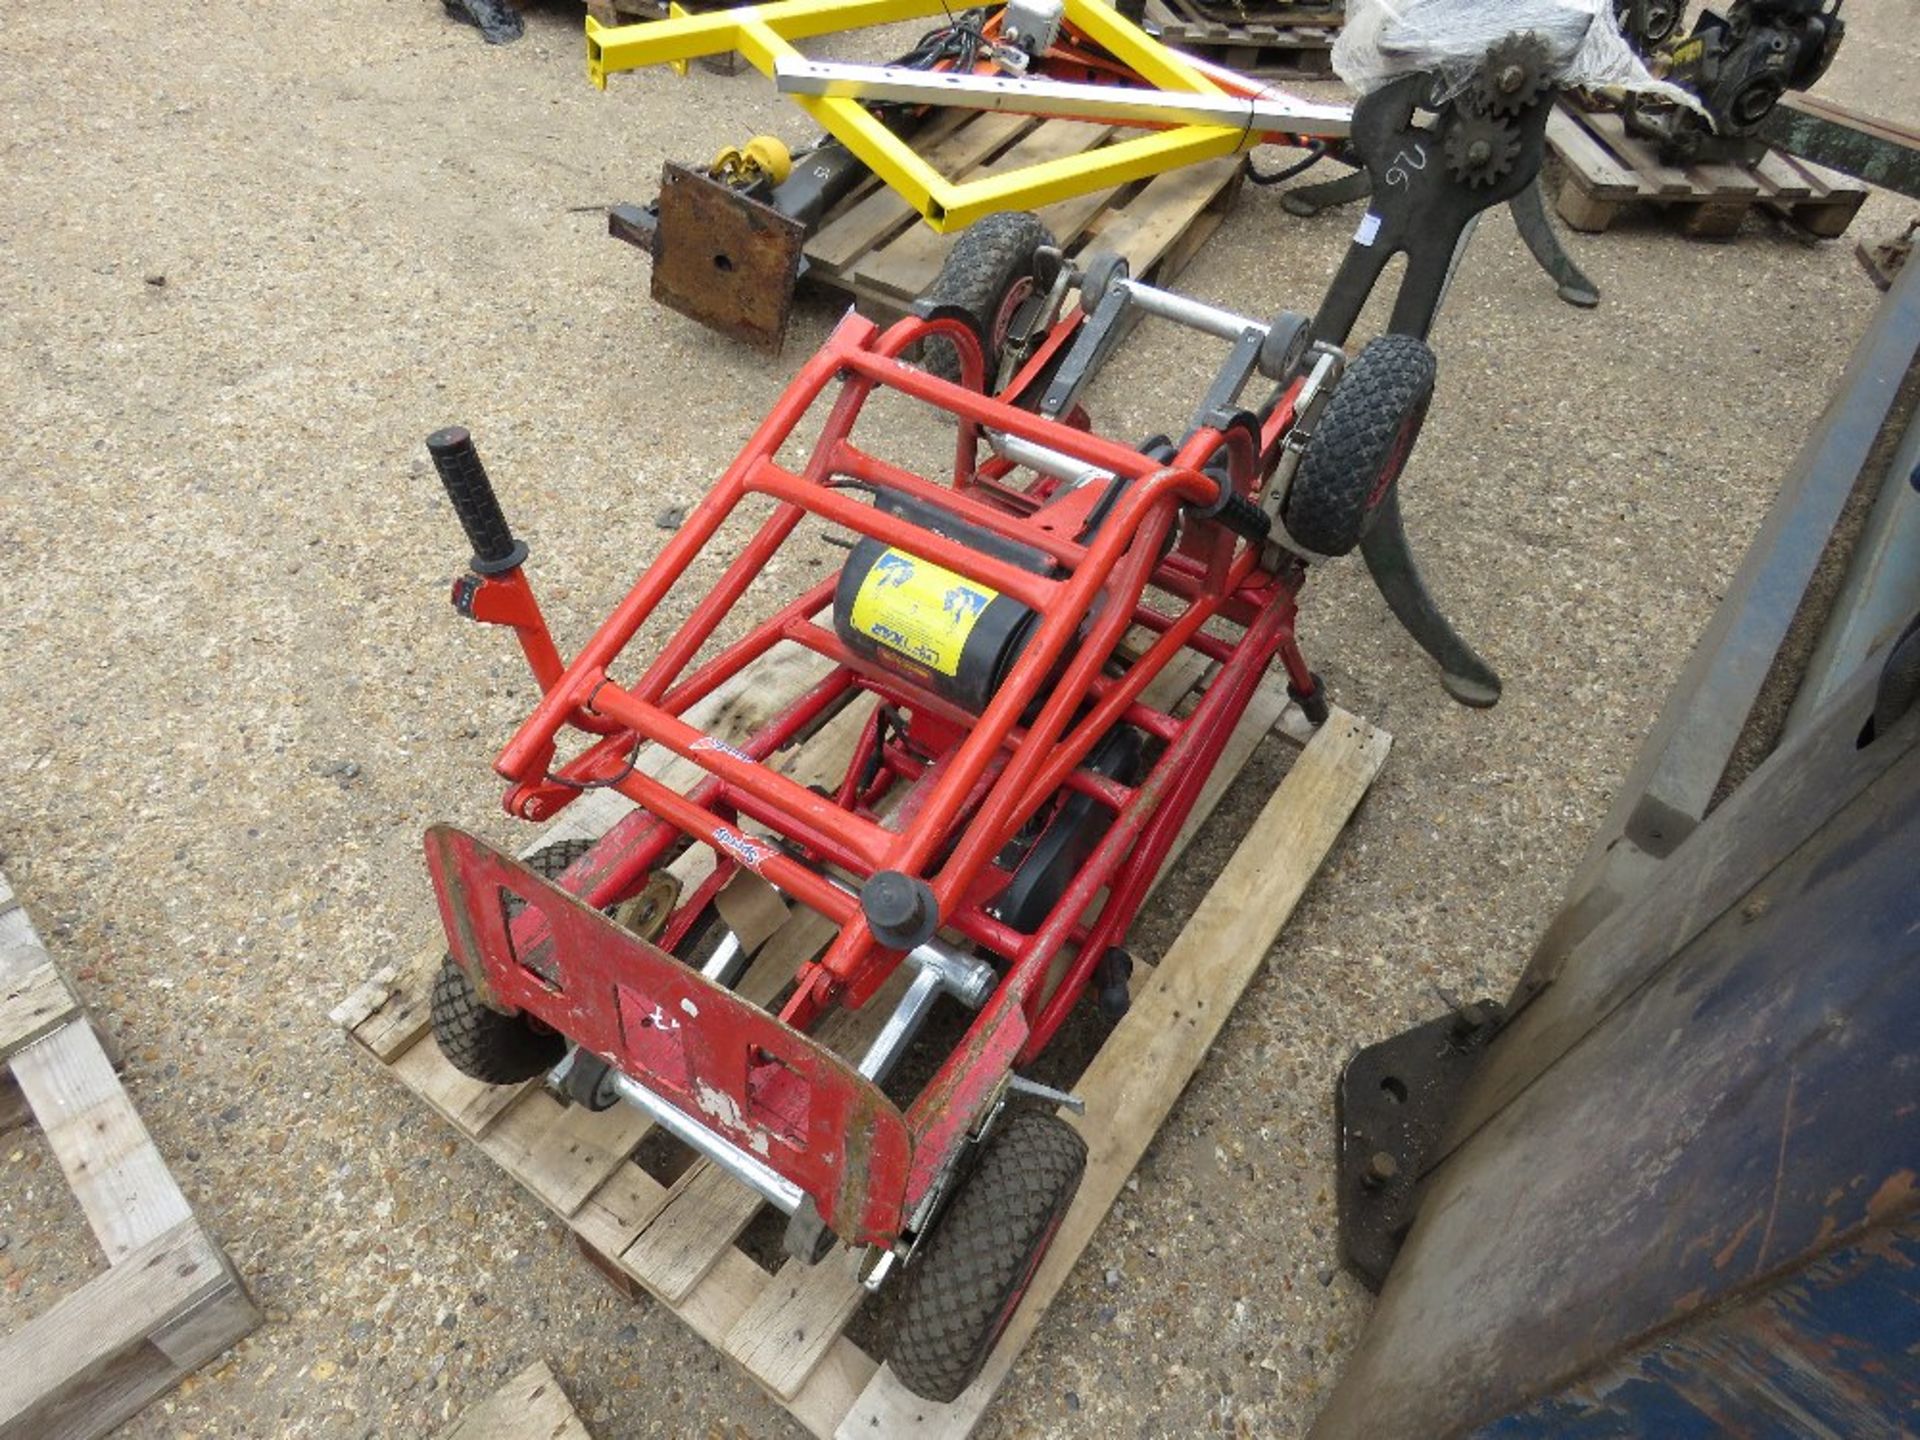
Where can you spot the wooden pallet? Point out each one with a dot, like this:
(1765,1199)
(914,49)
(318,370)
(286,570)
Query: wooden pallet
(678,1242)
(1293,41)
(169,1300)
(874,248)
(1608,170)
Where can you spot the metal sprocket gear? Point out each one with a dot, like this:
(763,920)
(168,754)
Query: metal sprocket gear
(1515,74)
(1480,148)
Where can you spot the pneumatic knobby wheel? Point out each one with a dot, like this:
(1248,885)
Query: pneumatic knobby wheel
(484,1043)
(969,1279)
(988,274)
(1360,444)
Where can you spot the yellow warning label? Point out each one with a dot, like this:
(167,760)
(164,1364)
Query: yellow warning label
(922,610)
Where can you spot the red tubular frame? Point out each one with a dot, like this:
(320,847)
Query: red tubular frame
(1054,705)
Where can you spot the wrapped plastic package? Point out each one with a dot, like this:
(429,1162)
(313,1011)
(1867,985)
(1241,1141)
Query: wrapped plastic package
(1383,39)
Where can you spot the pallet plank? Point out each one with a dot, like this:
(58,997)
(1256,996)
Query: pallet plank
(470,1106)
(32,1007)
(705,1212)
(123,1185)
(1599,173)
(882,214)
(791,1325)
(530,1406)
(562,1153)
(1662,178)
(123,1338)
(1787,180)
(1149,225)
(1141,1071)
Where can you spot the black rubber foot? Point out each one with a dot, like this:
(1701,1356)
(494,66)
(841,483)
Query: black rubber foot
(1313,703)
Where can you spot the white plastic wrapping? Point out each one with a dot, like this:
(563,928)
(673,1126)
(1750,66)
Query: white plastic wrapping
(1383,39)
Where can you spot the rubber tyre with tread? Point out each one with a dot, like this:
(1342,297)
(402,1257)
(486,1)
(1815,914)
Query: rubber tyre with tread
(481,1042)
(966,1283)
(1361,444)
(989,259)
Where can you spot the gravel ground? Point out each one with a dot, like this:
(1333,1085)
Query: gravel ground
(253,253)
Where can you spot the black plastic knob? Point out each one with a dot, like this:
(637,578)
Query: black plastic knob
(900,909)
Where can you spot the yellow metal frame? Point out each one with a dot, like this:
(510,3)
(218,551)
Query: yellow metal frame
(763,34)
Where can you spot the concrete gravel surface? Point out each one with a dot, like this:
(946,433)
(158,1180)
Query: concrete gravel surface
(251,253)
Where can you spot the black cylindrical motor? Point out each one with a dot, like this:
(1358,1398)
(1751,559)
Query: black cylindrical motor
(953,635)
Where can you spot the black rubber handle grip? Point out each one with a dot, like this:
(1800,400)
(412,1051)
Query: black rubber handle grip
(1244,517)
(494,548)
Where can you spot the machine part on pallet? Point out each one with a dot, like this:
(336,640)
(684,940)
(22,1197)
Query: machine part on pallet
(1391,1110)
(942,971)
(736,233)
(928,622)
(725,259)
(1646,23)
(807,1238)
(728,960)
(1272,113)
(1031,26)
(1285,346)
(763,34)
(900,909)
(763,160)
(1045,865)
(1073,473)
(1107,295)
(1313,703)
(1738,63)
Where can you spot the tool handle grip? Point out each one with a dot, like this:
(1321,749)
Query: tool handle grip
(1242,516)
(494,548)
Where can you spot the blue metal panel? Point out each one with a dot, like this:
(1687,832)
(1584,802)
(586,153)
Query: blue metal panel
(1699,1218)
(1830,1351)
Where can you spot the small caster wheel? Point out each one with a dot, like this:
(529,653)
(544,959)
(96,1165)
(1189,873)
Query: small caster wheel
(1289,338)
(589,1082)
